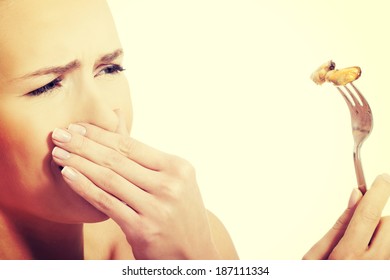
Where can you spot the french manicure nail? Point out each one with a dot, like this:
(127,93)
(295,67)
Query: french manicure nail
(61,135)
(78,129)
(69,173)
(60,153)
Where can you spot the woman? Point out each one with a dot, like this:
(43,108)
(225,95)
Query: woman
(61,66)
(73,184)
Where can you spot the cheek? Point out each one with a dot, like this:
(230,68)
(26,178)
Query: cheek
(25,148)
(25,152)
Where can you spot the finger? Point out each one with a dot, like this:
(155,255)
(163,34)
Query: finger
(106,157)
(105,179)
(323,248)
(142,154)
(366,216)
(380,243)
(100,199)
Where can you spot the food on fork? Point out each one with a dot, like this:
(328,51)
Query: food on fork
(343,76)
(327,73)
(318,76)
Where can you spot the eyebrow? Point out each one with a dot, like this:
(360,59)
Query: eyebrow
(108,58)
(61,70)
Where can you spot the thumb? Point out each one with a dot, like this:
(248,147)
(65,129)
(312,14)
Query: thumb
(323,248)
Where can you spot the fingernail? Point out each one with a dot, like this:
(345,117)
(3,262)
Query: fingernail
(354,198)
(60,153)
(69,173)
(61,135)
(78,129)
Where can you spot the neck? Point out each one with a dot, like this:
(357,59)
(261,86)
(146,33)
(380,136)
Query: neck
(49,240)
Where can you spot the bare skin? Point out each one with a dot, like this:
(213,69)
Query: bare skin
(361,232)
(65,103)
(59,66)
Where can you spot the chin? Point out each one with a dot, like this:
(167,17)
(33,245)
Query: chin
(57,202)
(78,210)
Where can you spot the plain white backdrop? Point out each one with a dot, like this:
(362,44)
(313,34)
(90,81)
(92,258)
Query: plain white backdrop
(225,84)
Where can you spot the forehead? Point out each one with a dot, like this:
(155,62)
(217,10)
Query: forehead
(42,33)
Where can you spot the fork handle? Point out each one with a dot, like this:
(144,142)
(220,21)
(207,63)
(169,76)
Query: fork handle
(359,170)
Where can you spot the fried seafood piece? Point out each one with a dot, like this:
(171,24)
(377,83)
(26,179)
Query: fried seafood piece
(339,77)
(318,76)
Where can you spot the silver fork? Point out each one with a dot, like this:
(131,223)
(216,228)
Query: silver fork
(362,123)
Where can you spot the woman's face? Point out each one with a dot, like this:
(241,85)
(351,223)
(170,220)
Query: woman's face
(60,63)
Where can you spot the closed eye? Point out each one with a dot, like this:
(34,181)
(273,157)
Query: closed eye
(49,87)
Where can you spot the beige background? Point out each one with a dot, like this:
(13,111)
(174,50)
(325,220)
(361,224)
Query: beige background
(225,84)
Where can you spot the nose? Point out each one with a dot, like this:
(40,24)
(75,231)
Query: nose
(97,108)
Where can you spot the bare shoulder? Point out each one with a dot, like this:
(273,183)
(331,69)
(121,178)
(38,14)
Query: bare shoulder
(222,239)
(105,240)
